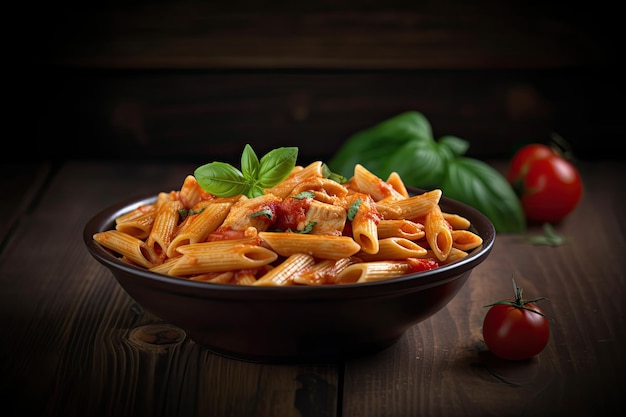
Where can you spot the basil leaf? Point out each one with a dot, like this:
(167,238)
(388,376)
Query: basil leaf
(354,208)
(308,228)
(255,191)
(549,238)
(327,173)
(405,144)
(249,163)
(304,195)
(221,179)
(479,185)
(418,163)
(276,165)
(371,147)
(453,146)
(267,213)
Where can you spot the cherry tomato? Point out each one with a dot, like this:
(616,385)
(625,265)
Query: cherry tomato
(516,329)
(548,185)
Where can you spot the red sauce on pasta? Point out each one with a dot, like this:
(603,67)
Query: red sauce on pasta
(385,188)
(291,212)
(373,215)
(422,264)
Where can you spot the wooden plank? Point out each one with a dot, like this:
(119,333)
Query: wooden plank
(442,367)
(325,35)
(75,344)
(202,115)
(22,183)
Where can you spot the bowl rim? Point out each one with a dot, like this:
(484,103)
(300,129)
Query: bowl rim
(105,218)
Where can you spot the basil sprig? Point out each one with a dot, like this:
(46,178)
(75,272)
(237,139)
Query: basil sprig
(224,180)
(405,144)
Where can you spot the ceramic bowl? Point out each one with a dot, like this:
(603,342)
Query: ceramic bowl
(294,323)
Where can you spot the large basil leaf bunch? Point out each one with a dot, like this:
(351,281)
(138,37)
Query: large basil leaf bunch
(405,144)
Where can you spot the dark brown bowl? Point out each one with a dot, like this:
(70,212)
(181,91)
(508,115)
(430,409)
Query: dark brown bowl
(296,323)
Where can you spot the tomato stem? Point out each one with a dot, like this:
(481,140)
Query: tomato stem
(561,147)
(519,301)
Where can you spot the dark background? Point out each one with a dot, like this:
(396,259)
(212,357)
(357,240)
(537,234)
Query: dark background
(190,80)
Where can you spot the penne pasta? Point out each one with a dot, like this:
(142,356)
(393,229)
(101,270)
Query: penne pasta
(198,226)
(164,268)
(415,206)
(322,272)
(454,255)
(465,240)
(220,257)
(126,245)
(456,221)
(284,273)
(400,228)
(323,189)
(394,248)
(307,230)
(191,193)
(365,223)
(137,223)
(323,247)
(214,277)
(368,183)
(163,230)
(397,184)
(438,234)
(372,271)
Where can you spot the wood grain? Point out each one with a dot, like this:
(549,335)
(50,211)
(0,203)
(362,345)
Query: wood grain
(213,114)
(74,343)
(446,369)
(325,35)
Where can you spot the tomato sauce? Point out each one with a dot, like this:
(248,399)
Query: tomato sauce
(422,264)
(226,233)
(290,213)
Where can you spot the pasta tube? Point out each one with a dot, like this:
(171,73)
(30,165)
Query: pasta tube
(323,247)
(415,206)
(284,273)
(368,183)
(372,271)
(163,230)
(126,245)
(394,248)
(400,228)
(438,233)
(221,257)
(199,226)
(323,272)
(365,224)
(306,230)
(137,223)
(465,240)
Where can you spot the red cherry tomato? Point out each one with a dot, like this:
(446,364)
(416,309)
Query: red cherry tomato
(548,185)
(516,329)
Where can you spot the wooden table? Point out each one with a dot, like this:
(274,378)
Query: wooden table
(74,343)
